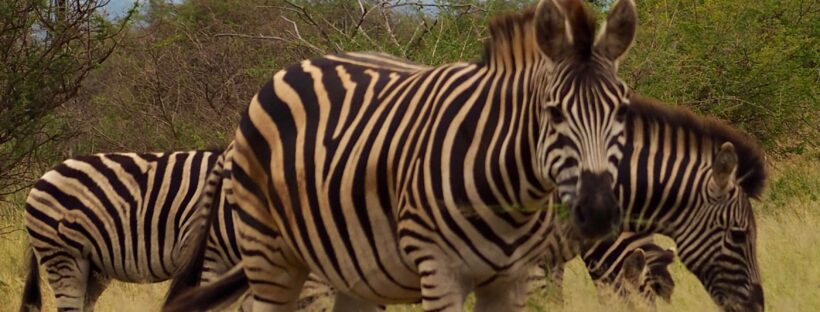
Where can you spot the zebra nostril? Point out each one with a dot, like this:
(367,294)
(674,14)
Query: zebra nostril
(579,215)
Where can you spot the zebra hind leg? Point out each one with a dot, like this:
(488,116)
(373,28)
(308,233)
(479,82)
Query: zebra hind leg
(68,278)
(275,282)
(97,283)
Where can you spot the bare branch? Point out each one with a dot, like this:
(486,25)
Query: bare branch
(255,37)
(299,37)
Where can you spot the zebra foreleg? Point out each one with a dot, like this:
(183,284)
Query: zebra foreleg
(442,289)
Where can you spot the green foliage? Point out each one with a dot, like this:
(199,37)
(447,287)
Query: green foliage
(47,51)
(797,180)
(753,63)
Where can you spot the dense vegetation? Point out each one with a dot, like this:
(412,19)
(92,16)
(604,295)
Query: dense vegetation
(183,71)
(176,75)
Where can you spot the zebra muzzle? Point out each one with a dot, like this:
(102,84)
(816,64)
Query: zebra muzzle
(597,213)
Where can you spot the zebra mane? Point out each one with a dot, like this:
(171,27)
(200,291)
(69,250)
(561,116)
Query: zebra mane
(517,29)
(751,170)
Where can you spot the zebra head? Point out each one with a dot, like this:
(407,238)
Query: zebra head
(583,106)
(659,281)
(728,267)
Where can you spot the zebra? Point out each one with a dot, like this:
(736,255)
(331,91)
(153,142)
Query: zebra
(636,268)
(634,264)
(671,196)
(691,178)
(124,216)
(631,265)
(387,179)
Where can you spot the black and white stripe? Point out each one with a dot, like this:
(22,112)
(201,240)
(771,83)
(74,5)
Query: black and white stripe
(632,265)
(691,178)
(123,216)
(388,179)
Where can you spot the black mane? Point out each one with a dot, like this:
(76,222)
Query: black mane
(751,168)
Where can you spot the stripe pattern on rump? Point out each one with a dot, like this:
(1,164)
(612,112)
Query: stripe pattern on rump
(121,216)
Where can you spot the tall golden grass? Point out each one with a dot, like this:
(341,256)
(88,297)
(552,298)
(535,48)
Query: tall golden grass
(789,255)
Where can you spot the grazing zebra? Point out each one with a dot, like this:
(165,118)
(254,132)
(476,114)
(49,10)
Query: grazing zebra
(691,178)
(389,179)
(632,264)
(123,216)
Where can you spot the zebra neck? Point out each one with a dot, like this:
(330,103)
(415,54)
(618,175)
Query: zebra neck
(662,175)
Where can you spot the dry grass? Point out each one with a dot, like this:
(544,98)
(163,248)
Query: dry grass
(788,218)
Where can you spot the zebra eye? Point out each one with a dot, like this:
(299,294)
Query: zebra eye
(738,236)
(620,113)
(556,115)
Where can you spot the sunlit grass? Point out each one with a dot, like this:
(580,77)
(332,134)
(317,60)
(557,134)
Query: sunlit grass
(789,251)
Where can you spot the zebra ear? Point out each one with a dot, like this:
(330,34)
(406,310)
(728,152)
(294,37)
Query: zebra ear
(551,29)
(724,166)
(634,264)
(619,31)
(672,251)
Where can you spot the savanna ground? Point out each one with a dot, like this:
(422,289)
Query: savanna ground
(788,219)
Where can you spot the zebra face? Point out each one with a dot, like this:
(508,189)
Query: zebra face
(659,281)
(583,109)
(727,268)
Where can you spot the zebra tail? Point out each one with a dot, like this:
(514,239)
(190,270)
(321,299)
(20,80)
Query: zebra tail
(32,298)
(228,288)
(189,273)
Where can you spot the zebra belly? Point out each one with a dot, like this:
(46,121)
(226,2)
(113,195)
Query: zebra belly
(374,272)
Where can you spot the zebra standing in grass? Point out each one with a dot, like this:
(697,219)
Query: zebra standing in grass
(123,216)
(389,179)
(691,178)
(634,264)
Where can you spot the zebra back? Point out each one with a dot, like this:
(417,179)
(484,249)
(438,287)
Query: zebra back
(127,212)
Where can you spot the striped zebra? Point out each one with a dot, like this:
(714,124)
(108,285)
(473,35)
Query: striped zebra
(631,266)
(634,267)
(647,119)
(671,184)
(389,179)
(123,216)
(691,178)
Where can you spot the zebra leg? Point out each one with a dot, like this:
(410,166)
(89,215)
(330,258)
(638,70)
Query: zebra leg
(554,283)
(97,283)
(316,295)
(345,303)
(507,296)
(68,277)
(273,288)
(275,275)
(441,287)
